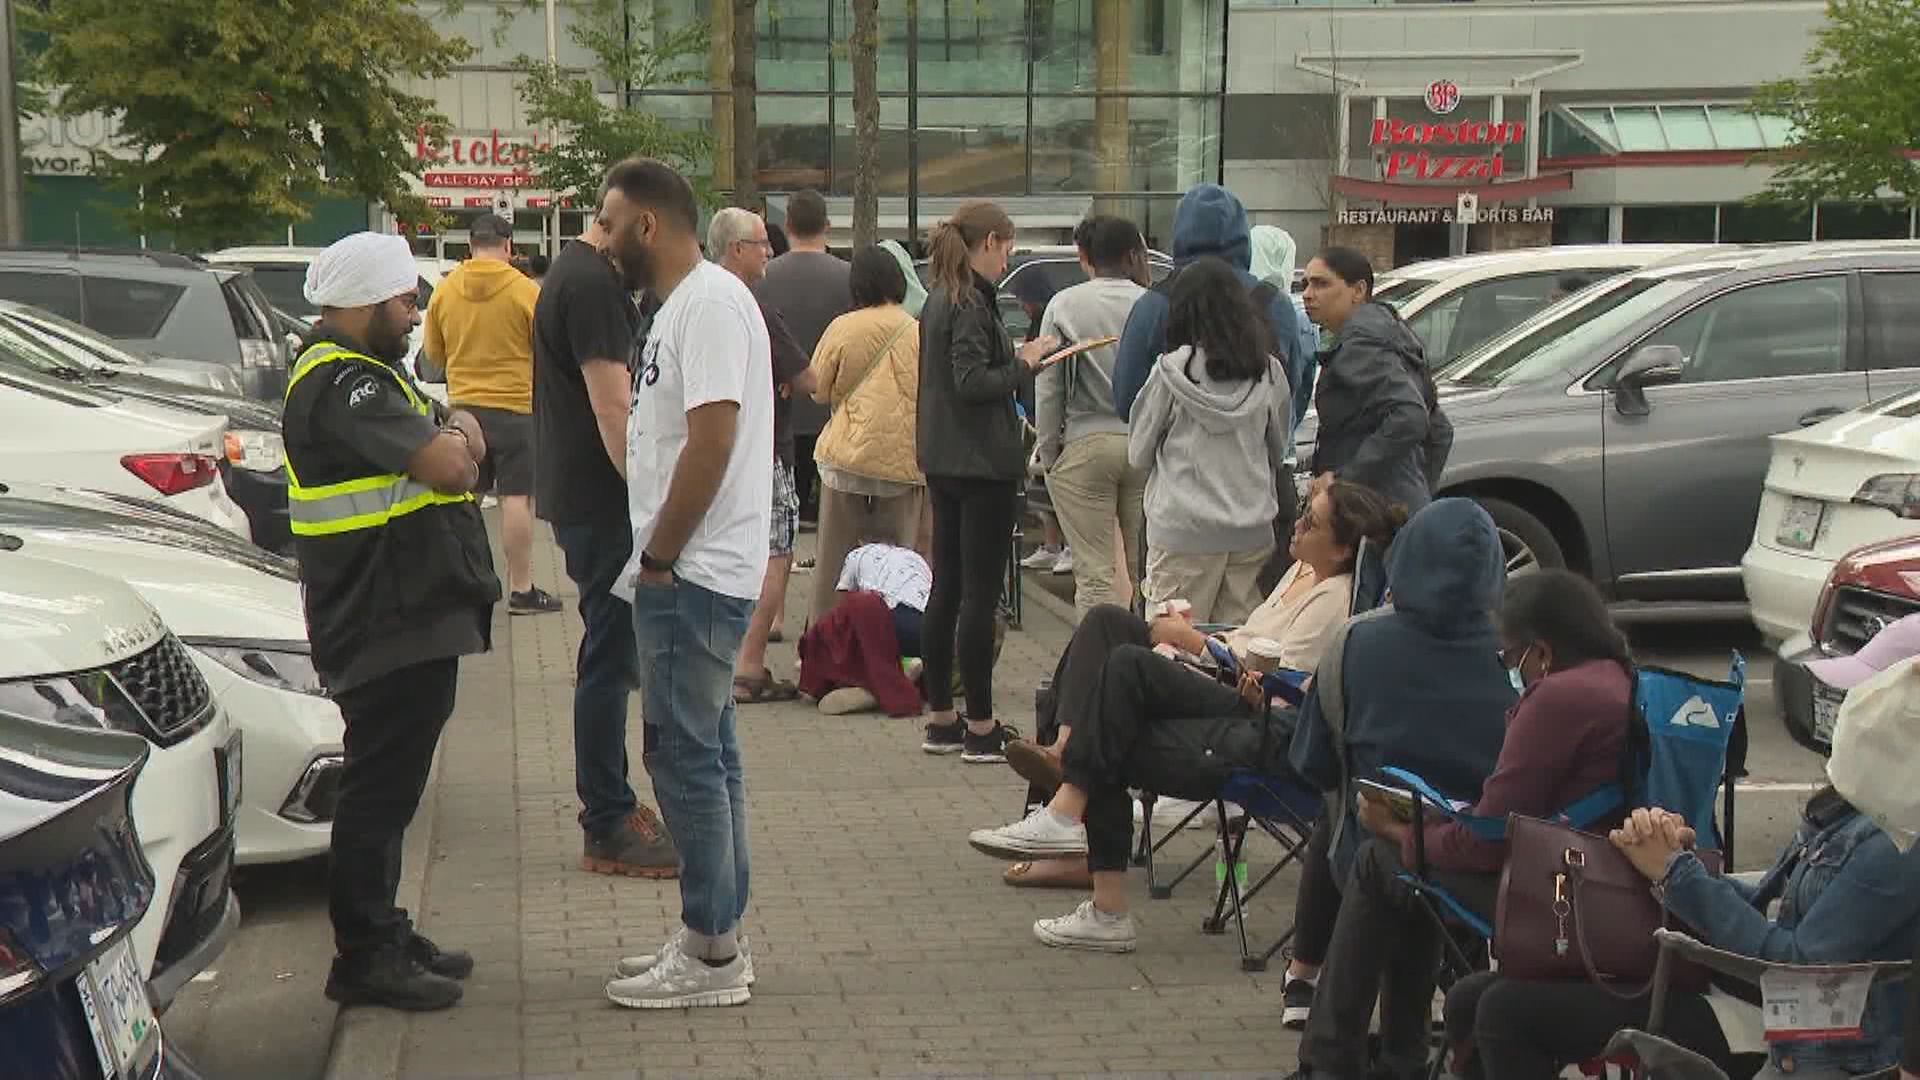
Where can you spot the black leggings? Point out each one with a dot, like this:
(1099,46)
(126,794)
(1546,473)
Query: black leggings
(972,541)
(1523,1030)
(1157,725)
(1317,903)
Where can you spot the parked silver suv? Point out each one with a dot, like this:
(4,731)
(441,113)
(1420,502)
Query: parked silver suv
(1623,432)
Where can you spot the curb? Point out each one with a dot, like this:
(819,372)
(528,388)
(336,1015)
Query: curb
(367,1042)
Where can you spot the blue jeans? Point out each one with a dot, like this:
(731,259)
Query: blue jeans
(689,638)
(605,672)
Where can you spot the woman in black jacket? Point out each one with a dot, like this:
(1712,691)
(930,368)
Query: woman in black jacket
(973,452)
(1380,419)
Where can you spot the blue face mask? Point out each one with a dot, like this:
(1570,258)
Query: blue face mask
(1518,680)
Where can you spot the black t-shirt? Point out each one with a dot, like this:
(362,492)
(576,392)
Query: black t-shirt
(789,360)
(584,314)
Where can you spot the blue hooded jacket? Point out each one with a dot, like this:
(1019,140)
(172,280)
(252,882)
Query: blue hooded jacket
(1209,221)
(1423,684)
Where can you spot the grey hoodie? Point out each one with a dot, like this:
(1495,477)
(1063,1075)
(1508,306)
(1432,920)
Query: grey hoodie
(1074,398)
(1214,448)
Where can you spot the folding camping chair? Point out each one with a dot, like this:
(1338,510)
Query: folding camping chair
(1675,945)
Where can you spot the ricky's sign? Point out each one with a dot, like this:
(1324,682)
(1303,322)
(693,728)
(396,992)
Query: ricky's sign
(1451,150)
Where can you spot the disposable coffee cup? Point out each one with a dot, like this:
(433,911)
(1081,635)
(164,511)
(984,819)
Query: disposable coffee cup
(1169,608)
(1263,655)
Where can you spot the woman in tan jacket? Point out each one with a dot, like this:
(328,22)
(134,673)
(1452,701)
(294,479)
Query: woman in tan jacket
(867,368)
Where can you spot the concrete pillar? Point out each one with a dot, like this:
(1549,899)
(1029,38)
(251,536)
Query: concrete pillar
(1112,25)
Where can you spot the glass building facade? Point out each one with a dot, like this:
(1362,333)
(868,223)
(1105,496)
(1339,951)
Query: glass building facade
(1114,100)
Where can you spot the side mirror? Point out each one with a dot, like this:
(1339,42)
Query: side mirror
(1654,365)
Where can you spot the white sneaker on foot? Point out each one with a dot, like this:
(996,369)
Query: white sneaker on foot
(1087,927)
(628,967)
(1043,558)
(1039,835)
(1064,564)
(678,981)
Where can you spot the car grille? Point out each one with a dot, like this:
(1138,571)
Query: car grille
(167,687)
(1856,615)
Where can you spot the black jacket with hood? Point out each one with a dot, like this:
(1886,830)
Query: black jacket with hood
(969,376)
(1421,683)
(1380,420)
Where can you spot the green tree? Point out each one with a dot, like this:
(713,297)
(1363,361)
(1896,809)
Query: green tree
(1857,112)
(632,54)
(237,112)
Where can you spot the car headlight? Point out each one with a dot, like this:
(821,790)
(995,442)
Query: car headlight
(256,451)
(283,665)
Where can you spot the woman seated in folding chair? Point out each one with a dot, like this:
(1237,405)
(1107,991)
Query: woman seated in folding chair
(1152,724)
(1301,614)
(1565,738)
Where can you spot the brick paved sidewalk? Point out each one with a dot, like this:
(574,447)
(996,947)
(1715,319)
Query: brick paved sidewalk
(883,944)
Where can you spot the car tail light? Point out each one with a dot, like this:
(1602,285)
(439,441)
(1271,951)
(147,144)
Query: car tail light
(255,353)
(172,474)
(19,972)
(1824,605)
(1898,492)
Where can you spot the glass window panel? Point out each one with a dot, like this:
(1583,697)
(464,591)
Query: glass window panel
(1893,319)
(1764,223)
(970,46)
(1655,224)
(1734,128)
(794,142)
(1686,127)
(1516,153)
(1579,224)
(1775,131)
(1781,328)
(1863,221)
(1600,120)
(1167,46)
(793,47)
(1638,128)
(1150,145)
(891,159)
(972,146)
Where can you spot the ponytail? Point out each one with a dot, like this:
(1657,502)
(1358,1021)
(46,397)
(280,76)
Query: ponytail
(953,241)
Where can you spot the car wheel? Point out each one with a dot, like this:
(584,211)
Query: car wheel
(1525,541)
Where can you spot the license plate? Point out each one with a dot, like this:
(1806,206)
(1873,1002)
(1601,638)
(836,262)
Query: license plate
(228,758)
(119,1013)
(1800,524)
(1826,708)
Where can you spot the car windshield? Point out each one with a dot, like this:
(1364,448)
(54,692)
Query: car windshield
(1905,407)
(1400,290)
(1550,341)
(286,286)
(19,347)
(74,340)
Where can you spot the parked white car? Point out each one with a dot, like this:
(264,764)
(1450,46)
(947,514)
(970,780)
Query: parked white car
(237,610)
(52,432)
(1455,305)
(1839,485)
(281,273)
(79,648)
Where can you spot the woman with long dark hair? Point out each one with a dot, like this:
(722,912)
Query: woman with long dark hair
(1213,425)
(972,450)
(1380,418)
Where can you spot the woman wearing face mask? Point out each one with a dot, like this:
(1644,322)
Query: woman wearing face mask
(1566,737)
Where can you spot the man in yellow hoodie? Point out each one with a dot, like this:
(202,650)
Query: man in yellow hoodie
(480,328)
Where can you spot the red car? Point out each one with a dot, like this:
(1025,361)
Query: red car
(1869,589)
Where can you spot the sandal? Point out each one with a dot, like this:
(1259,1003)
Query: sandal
(763,690)
(1071,874)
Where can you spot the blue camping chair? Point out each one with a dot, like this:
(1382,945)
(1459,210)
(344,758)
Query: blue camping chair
(1280,806)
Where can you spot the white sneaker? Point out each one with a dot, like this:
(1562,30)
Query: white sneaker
(848,700)
(1043,558)
(1064,564)
(678,981)
(1169,813)
(1088,928)
(1039,835)
(631,966)
(913,667)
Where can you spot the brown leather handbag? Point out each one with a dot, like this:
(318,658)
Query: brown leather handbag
(1571,906)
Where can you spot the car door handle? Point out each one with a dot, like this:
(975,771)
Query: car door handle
(1814,416)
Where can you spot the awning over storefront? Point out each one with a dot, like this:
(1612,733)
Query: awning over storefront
(1387,191)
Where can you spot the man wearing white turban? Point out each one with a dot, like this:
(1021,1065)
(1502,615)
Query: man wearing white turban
(398,584)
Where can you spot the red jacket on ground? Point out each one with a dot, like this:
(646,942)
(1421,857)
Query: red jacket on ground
(854,646)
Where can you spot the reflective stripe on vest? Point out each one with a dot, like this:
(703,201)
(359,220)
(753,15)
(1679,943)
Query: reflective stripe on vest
(367,502)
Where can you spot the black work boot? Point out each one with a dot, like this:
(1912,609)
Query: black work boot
(389,978)
(446,963)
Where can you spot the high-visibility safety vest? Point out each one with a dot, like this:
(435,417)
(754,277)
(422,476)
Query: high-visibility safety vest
(367,502)
(382,557)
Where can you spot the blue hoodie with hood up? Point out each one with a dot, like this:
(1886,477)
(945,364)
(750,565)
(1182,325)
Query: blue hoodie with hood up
(1423,683)
(1209,221)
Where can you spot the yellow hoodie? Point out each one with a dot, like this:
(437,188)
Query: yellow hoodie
(480,327)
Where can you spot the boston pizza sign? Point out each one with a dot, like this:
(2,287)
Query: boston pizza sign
(1444,149)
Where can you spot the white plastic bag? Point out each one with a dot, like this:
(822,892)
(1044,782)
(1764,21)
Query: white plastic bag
(1876,739)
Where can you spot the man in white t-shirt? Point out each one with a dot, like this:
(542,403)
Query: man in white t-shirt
(699,496)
